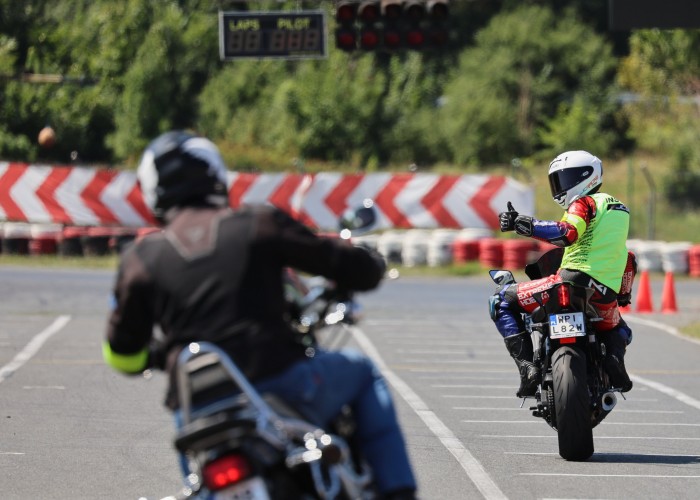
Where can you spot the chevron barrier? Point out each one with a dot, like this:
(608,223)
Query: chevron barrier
(109,197)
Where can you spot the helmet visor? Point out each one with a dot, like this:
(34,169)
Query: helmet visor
(561,181)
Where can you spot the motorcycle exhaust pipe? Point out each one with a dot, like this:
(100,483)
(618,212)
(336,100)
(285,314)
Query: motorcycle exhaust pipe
(609,400)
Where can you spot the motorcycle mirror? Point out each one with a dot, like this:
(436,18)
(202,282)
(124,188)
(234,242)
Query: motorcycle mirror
(357,219)
(501,277)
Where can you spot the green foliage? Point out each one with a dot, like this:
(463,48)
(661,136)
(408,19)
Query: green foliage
(681,189)
(661,73)
(522,79)
(576,126)
(525,66)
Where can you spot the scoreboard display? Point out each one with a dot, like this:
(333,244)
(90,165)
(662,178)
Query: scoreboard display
(281,35)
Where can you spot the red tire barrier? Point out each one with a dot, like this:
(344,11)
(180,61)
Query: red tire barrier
(491,253)
(694,261)
(465,250)
(518,253)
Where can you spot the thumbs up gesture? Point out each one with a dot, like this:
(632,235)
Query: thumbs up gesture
(507,219)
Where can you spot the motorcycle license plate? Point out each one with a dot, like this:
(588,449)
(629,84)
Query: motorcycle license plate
(566,325)
(252,489)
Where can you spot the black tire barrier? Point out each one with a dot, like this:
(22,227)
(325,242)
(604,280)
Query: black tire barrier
(70,243)
(15,246)
(96,243)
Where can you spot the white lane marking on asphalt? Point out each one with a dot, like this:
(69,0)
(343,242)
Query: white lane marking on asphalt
(607,424)
(554,436)
(524,409)
(456,362)
(680,396)
(32,347)
(666,328)
(10,453)
(470,386)
(443,343)
(657,476)
(448,376)
(609,454)
(471,465)
(56,387)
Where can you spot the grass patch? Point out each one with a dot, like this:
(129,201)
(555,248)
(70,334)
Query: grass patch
(465,269)
(691,330)
(58,261)
(111,262)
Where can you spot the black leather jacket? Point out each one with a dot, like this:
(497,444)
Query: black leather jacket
(215,274)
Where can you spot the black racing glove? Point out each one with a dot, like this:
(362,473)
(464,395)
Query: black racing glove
(507,219)
(524,225)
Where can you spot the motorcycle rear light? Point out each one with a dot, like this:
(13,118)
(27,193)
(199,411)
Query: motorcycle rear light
(225,471)
(564,296)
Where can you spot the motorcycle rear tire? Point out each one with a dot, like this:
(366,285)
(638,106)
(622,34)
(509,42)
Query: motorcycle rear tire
(572,404)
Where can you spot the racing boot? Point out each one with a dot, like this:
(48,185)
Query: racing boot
(520,349)
(615,347)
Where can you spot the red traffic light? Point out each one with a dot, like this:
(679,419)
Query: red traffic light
(369,39)
(392,24)
(415,39)
(346,39)
(392,39)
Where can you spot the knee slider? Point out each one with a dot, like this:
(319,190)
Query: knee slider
(498,302)
(494,304)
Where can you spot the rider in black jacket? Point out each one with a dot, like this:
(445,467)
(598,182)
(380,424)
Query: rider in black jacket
(215,274)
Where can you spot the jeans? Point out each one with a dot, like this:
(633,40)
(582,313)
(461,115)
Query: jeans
(319,387)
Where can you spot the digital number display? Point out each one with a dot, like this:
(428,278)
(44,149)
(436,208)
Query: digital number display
(283,35)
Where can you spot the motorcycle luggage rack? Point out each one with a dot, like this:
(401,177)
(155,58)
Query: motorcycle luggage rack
(199,356)
(294,436)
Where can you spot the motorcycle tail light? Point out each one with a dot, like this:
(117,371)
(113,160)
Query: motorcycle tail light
(225,471)
(564,296)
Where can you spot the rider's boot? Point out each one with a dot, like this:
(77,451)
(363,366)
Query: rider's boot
(520,348)
(615,347)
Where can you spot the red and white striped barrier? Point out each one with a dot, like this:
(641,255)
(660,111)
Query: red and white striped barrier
(93,197)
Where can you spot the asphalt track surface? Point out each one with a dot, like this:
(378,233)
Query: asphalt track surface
(70,428)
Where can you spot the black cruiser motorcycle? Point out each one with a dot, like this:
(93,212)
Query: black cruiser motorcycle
(253,446)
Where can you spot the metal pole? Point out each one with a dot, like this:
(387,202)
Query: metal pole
(651,231)
(630,192)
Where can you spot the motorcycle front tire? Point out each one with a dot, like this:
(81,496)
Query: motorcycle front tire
(572,404)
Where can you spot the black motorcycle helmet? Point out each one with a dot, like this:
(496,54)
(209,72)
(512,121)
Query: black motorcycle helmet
(181,169)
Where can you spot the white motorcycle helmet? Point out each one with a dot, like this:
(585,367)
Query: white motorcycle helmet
(178,169)
(574,174)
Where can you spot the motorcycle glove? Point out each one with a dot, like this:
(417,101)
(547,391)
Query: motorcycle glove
(524,225)
(507,220)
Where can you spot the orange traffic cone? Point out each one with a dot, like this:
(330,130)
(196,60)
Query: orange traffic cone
(668,298)
(644,294)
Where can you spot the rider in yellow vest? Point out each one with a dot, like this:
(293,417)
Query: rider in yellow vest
(593,232)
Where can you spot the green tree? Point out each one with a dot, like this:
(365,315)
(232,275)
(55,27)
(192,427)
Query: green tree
(576,125)
(525,64)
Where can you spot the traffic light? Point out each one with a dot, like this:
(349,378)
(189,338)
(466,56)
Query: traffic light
(392,25)
(345,33)
(438,13)
(438,10)
(369,15)
(414,12)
